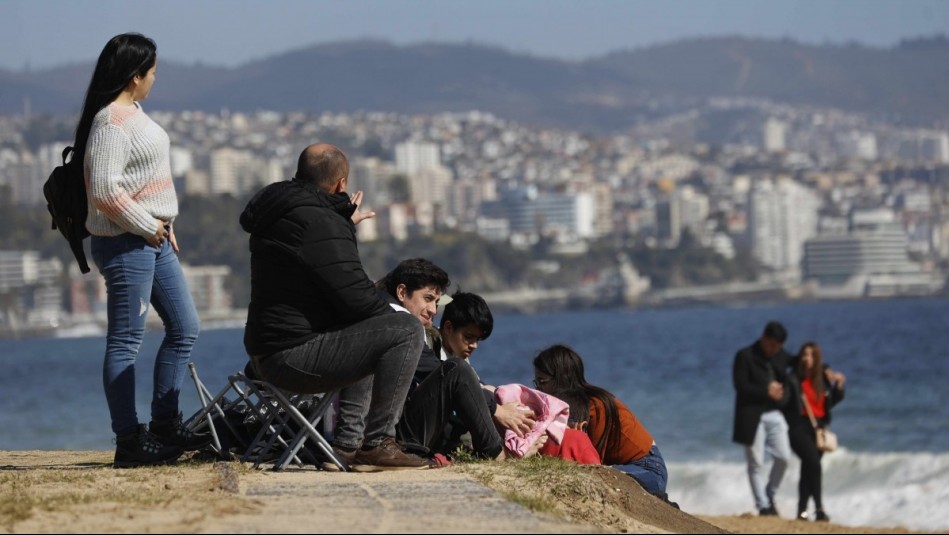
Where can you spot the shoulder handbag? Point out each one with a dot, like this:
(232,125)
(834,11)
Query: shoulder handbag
(826,439)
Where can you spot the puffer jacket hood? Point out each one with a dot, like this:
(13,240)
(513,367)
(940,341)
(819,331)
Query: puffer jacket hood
(275,200)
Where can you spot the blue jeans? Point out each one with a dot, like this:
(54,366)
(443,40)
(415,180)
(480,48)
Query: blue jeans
(375,359)
(136,275)
(649,471)
(771,440)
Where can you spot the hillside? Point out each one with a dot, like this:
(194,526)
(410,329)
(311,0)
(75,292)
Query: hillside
(79,492)
(907,83)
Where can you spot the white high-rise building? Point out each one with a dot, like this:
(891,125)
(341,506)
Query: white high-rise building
(225,167)
(430,185)
(774,135)
(782,216)
(414,156)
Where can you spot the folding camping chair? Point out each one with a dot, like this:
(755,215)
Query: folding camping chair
(284,429)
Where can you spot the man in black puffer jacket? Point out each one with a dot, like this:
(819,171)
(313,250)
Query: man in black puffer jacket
(315,322)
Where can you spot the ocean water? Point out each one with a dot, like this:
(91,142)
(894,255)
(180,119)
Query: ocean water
(671,366)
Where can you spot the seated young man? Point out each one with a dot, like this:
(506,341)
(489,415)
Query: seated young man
(448,387)
(466,320)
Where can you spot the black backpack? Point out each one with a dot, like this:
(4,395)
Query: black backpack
(65,193)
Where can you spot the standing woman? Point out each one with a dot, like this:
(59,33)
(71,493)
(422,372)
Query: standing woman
(822,388)
(132,207)
(619,437)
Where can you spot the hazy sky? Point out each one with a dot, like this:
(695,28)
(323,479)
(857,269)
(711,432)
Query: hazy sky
(44,33)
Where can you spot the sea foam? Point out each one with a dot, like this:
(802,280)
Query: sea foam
(860,489)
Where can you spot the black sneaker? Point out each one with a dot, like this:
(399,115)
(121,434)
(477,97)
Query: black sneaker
(141,448)
(768,511)
(173,433)
(821,516)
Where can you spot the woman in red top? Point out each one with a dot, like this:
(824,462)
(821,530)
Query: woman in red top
(619,437)
(822,388)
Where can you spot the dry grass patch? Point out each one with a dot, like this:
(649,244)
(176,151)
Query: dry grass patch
(595,495)
(192,490)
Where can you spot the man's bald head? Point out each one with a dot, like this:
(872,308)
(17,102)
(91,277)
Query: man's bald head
(323,165)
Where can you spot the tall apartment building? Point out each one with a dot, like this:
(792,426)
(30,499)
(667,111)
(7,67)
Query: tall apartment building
(668,220)
(429,180)
(430,185)
(782,216)
(774,135)
(678,209)
(413,156)
(230,171)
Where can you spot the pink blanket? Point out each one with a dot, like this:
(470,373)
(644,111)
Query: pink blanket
(550,416)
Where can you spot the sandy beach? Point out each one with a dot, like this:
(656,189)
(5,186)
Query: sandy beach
(79,492)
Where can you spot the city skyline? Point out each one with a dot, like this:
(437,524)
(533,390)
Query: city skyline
(45,34)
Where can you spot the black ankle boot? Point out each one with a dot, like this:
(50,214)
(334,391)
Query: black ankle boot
(173,433)
(141,448)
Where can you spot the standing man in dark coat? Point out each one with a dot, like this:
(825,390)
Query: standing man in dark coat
(759,375)
(315,322)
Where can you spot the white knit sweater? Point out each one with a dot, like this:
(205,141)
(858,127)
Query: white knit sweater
(128,174)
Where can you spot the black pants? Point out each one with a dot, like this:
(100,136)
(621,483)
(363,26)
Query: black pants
(452,388)
(804,444)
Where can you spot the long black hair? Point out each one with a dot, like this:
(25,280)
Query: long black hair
(123,57)
(567,382)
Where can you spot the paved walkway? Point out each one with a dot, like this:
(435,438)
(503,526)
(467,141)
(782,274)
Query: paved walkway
(428,501)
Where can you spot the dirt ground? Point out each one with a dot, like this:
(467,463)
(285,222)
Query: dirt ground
(79,492)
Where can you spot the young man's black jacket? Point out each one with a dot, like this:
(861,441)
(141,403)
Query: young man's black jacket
(306,275)
(751,374)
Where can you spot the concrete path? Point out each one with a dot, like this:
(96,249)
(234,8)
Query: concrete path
(427,501)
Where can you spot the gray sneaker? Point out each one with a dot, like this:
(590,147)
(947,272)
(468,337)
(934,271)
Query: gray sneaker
(388,455)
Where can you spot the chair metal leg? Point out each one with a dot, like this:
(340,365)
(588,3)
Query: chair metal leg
(275,410)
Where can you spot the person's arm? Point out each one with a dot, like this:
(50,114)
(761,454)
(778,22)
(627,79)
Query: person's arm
(428,362)
(836,381)
(358,215)
(741,378)
(515,417)
(109,150)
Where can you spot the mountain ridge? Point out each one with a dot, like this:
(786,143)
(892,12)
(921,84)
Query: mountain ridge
(906,83)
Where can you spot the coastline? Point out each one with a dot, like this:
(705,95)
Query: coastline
(79,492)
(542,302)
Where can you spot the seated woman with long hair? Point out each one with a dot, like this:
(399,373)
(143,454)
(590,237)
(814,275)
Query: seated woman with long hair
(620,438)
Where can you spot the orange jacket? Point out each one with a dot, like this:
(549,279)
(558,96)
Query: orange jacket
(635,440)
